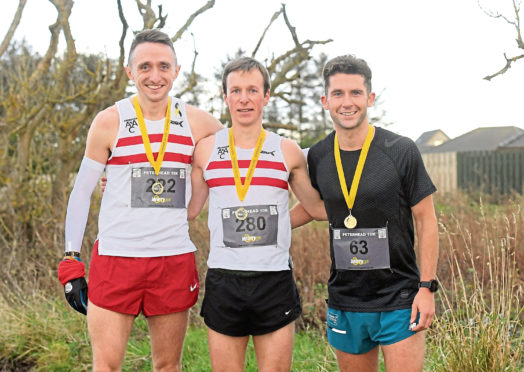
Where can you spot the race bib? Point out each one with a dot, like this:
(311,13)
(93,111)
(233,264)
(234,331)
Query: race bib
(167,190)
(250,225)
(361,249)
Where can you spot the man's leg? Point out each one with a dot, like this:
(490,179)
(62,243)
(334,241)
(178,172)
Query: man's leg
(227,353)
(109,332)
(167,340)
(367,362)
(406,355)
(275,350)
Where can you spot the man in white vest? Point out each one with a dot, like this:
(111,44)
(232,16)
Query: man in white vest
(143,260)
(246,170)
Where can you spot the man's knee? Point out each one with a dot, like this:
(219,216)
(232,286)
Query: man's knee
(106,365)
(166,365)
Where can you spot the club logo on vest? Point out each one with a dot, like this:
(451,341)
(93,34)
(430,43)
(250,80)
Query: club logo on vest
(179,123)
(131,124)
(222,150)
(272,153)
(177,110)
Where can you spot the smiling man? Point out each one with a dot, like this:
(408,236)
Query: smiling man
(373,182)
(143,260)
(250,290)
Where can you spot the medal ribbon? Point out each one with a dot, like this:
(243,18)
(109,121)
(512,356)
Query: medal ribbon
(157,164)
(242,189)
(350,198)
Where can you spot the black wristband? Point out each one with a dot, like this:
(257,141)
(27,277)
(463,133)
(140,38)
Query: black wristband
(72,254)
(432,285)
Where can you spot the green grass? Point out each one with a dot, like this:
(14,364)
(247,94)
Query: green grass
(42,334)
(478,326)
(49,336)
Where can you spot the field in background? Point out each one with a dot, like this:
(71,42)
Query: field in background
(478,326)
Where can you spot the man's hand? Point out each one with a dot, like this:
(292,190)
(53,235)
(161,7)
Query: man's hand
(71,272)
(423,303)
(103,182)
(76,294)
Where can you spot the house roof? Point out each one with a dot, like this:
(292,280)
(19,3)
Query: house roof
(427,136)
(515,142)
(482,139)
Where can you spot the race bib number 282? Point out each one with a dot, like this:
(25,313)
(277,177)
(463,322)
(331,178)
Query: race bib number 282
(167,190)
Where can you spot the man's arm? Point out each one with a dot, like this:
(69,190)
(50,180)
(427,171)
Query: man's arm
(427,234)
(301,184)
(202,123)
(299,216)
(71,270)
(199,187)
(102,135)
(100,139)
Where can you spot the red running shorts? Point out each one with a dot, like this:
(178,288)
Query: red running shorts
(151,285)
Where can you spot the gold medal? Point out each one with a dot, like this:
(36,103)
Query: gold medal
(241,214)
(350,222)
(157,188)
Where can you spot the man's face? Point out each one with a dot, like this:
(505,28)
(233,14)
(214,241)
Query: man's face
(245,96)
(347,100)
(153,69)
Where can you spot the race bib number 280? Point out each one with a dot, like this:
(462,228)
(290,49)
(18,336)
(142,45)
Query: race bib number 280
(250,225)
(167,190)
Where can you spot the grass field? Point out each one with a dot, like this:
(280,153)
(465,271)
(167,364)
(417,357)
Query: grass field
(478,325)
(46,335)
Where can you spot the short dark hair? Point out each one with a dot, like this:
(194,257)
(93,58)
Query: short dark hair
(150,36)
(348,64)
(245,64)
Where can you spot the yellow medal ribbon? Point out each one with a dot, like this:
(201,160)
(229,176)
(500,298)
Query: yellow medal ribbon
(350,221)
(157,164)
(242,189)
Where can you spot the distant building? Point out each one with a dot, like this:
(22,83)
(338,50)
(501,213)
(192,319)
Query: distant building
(490,159)
(428,140)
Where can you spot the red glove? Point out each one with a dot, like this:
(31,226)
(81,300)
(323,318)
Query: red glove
(70,268)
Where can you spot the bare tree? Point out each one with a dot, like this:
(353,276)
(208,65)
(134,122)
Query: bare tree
(514,21)
(46,105)
(12,28)
(285,71)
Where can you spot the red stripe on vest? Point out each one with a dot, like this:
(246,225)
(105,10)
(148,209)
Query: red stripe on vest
(263,164)
(153,138)
(256,181)
(142,158)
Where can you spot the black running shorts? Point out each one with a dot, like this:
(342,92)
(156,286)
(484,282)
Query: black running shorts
(254,304)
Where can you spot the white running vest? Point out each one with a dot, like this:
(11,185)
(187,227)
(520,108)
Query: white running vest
(132,223)
(259,239)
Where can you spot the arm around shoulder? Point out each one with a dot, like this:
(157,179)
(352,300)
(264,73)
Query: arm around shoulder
(199,187)
(301,183)
(202,123)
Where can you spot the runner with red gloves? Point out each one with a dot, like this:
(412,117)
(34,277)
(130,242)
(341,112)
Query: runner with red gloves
(143,260)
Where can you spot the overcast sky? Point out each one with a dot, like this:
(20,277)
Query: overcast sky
(428,57)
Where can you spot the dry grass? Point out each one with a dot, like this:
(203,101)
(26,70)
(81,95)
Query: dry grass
(479,322)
